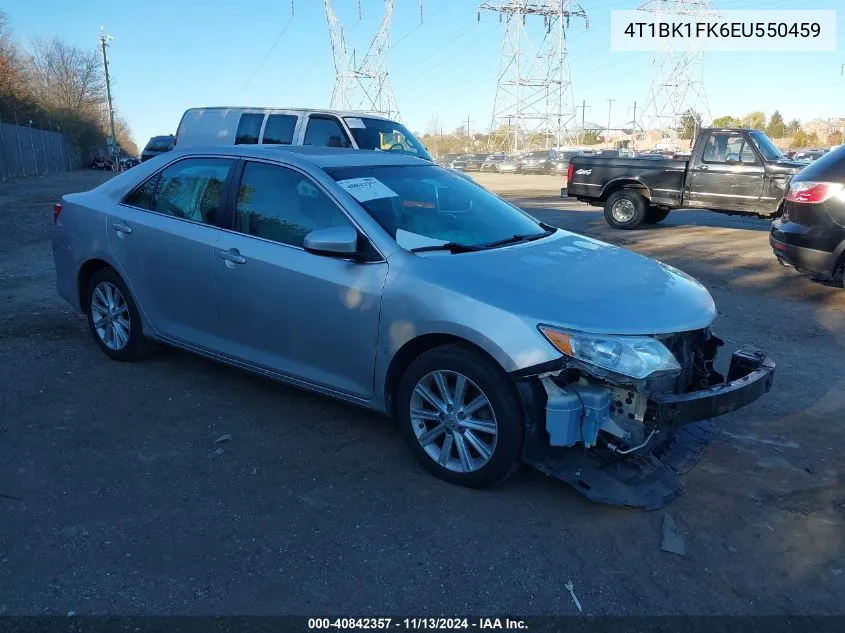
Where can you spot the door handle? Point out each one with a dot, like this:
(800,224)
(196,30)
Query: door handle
(232,256)
(120,227)
(703,168)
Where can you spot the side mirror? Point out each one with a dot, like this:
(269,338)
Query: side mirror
(337,241)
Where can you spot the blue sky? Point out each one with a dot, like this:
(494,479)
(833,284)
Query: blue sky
(169,55)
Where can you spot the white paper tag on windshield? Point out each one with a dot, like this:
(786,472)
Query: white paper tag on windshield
(355,124)
(369,188)
(409,240)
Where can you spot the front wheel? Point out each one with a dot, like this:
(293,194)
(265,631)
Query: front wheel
(625,209)
(461,416)
(655,215)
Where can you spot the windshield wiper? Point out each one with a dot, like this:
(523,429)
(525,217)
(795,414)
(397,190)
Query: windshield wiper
(520,237)
(453,247)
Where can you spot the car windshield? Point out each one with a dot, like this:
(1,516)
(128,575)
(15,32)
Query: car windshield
(384,135)
(539,154)
(421,205)
(764,144)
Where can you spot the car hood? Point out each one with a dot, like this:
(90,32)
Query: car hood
(791,166)
(579,283)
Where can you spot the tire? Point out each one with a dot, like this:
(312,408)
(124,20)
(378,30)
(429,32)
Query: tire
(502,412)
(655,214)
(625,209)
(131,344)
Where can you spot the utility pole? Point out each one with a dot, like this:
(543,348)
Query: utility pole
(104,42)
(583,107)
(634,124)
(609,104)
(469,136)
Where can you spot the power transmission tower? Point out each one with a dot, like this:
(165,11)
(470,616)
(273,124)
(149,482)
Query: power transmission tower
(104,42)
(362,85)
(534,89)
(677,83)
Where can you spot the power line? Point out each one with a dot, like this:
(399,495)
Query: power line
(269,52)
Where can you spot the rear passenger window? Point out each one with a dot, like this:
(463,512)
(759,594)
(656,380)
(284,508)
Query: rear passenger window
(325,131)
(249,127)
(192,189)
(142,197)
(279,129)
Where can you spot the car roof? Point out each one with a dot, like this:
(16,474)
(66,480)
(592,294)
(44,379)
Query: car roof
(343,113)
(322,157)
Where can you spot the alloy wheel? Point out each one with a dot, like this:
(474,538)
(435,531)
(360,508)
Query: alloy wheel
(453,421)
(110,316)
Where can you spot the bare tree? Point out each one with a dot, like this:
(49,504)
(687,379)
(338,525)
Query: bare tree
(12,85)
(66,78)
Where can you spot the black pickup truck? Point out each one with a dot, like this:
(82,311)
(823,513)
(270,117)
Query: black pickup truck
(733,171)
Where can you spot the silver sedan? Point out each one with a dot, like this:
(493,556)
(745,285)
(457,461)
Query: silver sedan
(392,283)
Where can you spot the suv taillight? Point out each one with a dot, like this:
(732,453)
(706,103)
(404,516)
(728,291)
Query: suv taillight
(813,192)
(569,173)
(57,211)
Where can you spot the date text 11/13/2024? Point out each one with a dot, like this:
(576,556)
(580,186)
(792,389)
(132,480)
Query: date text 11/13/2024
(429,624)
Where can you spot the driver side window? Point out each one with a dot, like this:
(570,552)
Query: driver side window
(725,148)
(282,205)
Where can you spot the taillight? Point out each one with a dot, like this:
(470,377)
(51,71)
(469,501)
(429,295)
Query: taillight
(57,211)
(813,192)
(569,172)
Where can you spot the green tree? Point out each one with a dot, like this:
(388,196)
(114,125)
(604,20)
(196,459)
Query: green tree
(776,127)
(802,140)
(727,121)
(792,127)
(755,120)
(689,122)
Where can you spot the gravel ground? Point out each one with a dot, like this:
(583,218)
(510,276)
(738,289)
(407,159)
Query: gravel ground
(115,499)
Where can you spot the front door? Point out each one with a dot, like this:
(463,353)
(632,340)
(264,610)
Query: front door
(311,317)
(162,236)
(729,175)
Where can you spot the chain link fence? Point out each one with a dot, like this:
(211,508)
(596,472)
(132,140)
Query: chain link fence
(35,148)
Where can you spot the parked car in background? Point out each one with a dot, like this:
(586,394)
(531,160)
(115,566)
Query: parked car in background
(509,165)
(474,162)
(560,162)
(129,162)
(460,163)
(809,155)
(737,171)
(101,161)
(491,163)
(383,280)
(296,126)
(446,160)
(810,235)
(538,162)
(158,145)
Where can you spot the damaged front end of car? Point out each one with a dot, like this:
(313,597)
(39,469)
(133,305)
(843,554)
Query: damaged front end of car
(621,418)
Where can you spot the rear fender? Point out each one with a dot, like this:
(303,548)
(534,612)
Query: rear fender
(624,183)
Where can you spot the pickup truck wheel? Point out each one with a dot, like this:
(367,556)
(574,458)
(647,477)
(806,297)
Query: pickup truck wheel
(625,209)
(655,215)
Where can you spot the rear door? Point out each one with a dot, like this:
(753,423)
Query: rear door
(162,237)
(310,317)
(729,174)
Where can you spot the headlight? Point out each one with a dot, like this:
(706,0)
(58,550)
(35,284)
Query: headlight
(634,356)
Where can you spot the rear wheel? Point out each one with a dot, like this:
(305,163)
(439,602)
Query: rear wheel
(625,209)
(113,318)
(461,416)
(655,214)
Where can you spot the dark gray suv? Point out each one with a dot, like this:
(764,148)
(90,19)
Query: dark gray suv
(158,145)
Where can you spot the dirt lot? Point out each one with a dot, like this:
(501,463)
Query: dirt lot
(114,497)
